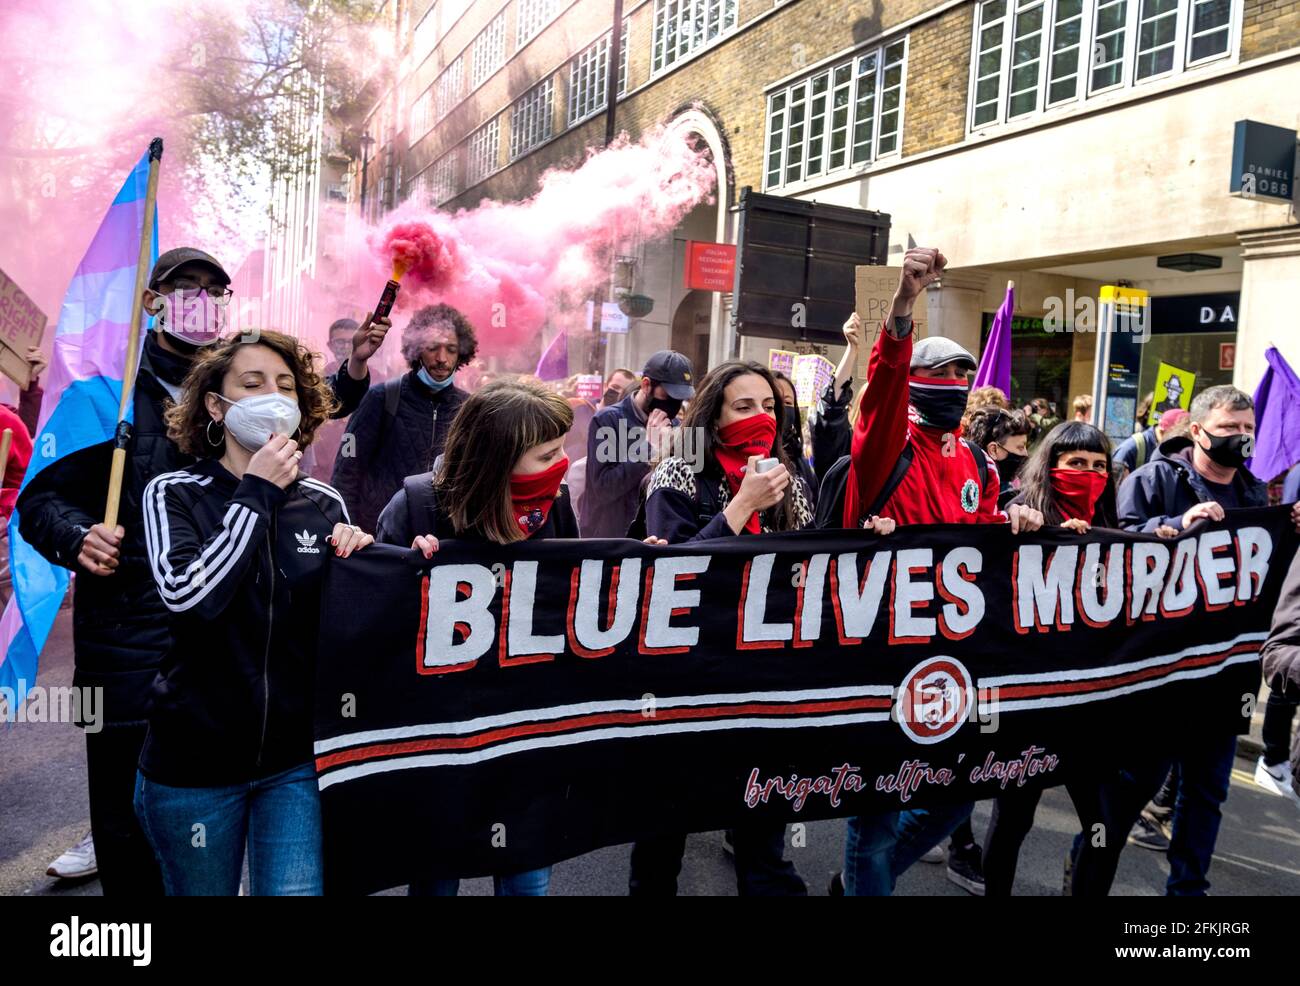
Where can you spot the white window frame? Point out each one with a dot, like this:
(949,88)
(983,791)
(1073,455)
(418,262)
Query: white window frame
(532,118)
(670,47)
(421,115)
(483,152)
(531,18)
(1084,89)
(449,89)
(488,52)
(781,101)
(588,71)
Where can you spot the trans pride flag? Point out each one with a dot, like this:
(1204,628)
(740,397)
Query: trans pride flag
(83,389)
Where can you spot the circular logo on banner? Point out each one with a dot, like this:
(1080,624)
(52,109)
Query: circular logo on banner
(934,699)
(970,496)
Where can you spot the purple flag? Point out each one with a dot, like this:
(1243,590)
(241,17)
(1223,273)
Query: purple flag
(554,364)
(995,362)
(1277,419)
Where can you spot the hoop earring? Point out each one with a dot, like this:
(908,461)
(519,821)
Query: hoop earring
(207,433)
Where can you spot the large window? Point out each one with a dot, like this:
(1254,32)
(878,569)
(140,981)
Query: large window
(589,77)
(530,119)
(533,15)
(489,51)
(449,88)
(421,115)
(1029,55)
(684,26)
(845,116)
(484,147)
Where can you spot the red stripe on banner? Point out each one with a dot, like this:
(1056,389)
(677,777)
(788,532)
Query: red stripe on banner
(1100,684)
(376,750)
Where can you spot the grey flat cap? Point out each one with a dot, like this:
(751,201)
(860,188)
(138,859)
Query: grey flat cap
(937,351)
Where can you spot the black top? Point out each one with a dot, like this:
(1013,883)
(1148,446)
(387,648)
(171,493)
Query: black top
(238,563)
(683,506)
(398,430)
(414,510)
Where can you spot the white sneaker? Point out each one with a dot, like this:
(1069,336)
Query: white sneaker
(77,862)
(1275,779)
(935,854)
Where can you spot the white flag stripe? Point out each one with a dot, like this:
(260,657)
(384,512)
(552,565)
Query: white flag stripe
(1114,669)
(586,736)
(1055,701)
(592,708)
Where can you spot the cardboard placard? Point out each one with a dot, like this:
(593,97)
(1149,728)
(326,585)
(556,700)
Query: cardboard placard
(875,287)
(22,325)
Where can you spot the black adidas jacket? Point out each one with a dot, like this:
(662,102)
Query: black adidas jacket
(239,564)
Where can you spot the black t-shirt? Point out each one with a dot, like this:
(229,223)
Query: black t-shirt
(1225,494)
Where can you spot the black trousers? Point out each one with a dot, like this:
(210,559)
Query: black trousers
(1013,817)
(761,867)
(1278,713)
(127,866)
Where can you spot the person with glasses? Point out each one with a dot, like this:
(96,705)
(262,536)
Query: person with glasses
(120,627)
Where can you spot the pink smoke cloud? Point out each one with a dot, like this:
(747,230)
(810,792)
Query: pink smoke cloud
(520,264)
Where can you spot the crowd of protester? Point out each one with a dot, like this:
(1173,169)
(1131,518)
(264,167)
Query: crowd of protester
(252,459)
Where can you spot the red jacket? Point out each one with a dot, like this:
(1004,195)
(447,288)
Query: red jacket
(20,453)
(937,488)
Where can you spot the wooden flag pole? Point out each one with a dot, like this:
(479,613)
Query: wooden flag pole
(5,440)
(122,436)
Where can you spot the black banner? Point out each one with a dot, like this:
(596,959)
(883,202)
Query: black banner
(504,708)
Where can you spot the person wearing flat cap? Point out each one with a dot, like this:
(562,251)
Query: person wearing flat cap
(120,625)
(909,462)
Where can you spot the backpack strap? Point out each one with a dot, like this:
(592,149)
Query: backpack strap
(420,502)
(894,481)
(392,396)
(1140,443)
(981,465)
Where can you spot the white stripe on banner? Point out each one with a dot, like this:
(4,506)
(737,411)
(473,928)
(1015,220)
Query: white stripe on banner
(584,736)
(1056,701)
(592,708)
(1114,669)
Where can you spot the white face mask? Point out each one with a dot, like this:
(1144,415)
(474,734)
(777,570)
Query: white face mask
(253,420)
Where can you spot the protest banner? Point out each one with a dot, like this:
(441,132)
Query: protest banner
(509,707)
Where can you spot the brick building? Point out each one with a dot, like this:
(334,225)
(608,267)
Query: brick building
(1063,143)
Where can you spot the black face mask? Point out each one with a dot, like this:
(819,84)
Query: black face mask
(939,406)
(1009,467)
(669,405)
(611,397)
(1230,451)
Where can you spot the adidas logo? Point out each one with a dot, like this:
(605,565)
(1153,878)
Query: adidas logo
(307,543)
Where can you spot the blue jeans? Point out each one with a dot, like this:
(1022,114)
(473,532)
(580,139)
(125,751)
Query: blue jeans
(199,835)
(529,883)
(1205,770)
(878,848)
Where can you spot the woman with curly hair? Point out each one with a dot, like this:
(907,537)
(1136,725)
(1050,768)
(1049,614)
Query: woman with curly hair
(237,543)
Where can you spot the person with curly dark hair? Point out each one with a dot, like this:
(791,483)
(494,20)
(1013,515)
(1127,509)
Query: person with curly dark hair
(401,426)
(237,544)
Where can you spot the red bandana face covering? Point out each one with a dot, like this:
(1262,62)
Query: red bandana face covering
(739,440)
(1077,492)
(534,494)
